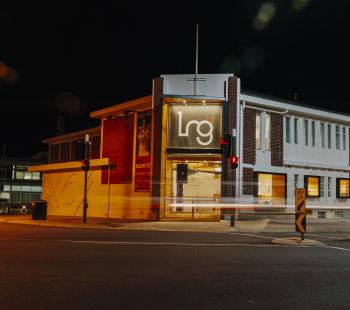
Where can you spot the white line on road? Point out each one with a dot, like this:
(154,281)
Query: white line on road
(321,236)
(250,235)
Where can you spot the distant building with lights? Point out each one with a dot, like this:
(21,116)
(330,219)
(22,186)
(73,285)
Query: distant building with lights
(160,157)
(18,187)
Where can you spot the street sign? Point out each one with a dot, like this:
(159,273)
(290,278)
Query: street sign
(300,211)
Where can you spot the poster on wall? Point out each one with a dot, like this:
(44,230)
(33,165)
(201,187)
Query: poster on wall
(143,154)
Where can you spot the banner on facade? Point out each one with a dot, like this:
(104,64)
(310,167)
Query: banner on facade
(194,126)
(143,154)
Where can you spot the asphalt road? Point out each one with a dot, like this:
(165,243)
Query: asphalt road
(63,268)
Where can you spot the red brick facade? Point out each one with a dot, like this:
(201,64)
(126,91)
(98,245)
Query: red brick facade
(249,148)
(248,181)
(276,139)
(157,142)
(228,175)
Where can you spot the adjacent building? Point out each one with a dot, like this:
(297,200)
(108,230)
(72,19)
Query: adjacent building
(160,157)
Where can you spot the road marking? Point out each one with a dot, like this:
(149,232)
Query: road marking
(321,236)
(250,235)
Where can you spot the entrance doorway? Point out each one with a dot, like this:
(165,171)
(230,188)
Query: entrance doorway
(194,188)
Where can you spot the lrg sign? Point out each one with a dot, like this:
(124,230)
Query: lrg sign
(194,126)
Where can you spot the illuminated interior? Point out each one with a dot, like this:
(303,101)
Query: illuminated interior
(313,186)
(203,185)
(344,188)
(271,188)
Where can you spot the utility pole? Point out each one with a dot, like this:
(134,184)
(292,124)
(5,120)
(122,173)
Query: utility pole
(86,167)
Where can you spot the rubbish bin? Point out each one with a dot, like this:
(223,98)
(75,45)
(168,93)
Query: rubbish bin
(39,210)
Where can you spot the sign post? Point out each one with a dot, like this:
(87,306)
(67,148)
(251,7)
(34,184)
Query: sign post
(300,211)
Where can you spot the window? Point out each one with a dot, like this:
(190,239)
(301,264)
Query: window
(296,181)
(322,135)
(262,131)
(313,134)
(343,188)
(287,129)
(36,175)
(321,186)
(344,138)
(296,131)
(337,137)
(312,185)
(306,131)
(267,131)
(329,186)
(257,130)
(19,175)
(329,136)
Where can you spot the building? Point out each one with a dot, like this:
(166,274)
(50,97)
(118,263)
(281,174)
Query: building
(160,156)
(18,187)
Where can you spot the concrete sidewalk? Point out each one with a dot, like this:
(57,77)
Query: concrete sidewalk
(256,226)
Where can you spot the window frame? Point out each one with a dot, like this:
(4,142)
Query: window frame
(329,135)
(344,138)
(306,185)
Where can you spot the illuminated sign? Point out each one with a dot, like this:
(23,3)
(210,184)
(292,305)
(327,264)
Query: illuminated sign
(194,126)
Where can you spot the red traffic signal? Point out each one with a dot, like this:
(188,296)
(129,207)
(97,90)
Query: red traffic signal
(85,164)
(225,144)
(234,161)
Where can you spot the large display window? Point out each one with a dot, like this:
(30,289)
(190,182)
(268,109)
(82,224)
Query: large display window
(271,188)
(343,188)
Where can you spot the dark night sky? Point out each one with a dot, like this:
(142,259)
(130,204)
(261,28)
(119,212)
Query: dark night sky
(74,58)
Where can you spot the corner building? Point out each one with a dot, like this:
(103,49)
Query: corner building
(159,157)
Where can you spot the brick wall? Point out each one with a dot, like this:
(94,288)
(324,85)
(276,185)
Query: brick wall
(228,188)
(157,142)
(276,139)
(249,148)
(248,181)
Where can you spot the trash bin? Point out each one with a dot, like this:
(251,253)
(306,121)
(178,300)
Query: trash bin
(39,210)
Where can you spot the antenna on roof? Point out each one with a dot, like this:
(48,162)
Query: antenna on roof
(196,69)
(195,79)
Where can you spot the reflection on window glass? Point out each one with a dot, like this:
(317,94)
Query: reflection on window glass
(313,188)
(343,188)
(344,138)
(267,131)
(306,132)
(313,133)
(321,186)
(257,131)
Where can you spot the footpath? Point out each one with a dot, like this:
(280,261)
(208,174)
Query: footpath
(244,226)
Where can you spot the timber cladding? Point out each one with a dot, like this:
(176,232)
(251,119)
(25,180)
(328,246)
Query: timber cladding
(276,139)
(249,142)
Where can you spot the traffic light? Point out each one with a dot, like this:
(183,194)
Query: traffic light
(225,144)
(85,164)
(234,161)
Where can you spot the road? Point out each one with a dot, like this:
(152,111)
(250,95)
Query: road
(67,268)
